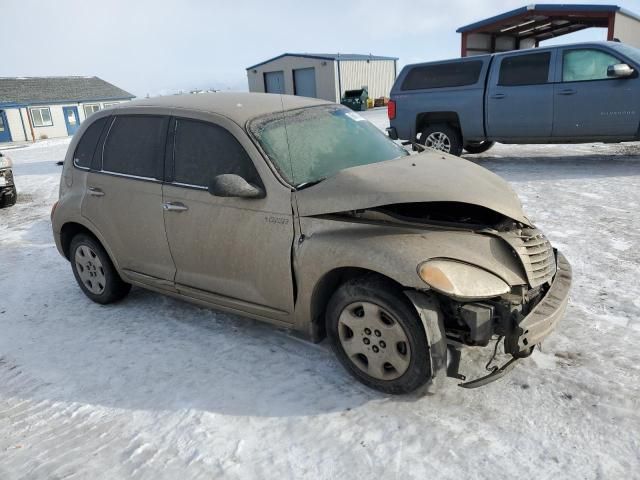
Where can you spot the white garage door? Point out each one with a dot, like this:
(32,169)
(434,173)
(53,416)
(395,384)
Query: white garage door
(304,80)
(274,82)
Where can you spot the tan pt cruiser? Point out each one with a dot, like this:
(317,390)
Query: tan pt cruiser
(301,213)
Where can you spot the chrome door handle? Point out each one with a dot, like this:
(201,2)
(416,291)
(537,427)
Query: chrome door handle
(175,207)
(498,96)
(567,91)
(96,192)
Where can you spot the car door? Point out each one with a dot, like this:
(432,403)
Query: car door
(519,103)
(589,103)
(233,251)
(123,197)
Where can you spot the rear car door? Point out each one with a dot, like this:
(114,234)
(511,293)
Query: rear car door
(519,103)
(589,103)
(233,251)
(123,198)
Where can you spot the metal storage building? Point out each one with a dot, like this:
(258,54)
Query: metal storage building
(323,75)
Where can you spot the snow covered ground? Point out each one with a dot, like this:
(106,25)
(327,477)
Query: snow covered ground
(154,388)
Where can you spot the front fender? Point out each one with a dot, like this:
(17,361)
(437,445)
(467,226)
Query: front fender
(433,324)
(395,252)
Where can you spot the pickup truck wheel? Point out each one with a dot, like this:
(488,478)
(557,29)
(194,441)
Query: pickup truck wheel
(377,335)
(442,137)
(478,147)
(94,272)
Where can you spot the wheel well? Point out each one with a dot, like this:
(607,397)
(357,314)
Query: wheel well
(70,230)
(323,290)
(431,118)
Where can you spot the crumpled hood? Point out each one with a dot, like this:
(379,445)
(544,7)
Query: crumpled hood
(427,177)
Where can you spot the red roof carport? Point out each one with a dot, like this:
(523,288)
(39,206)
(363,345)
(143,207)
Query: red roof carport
(526,27)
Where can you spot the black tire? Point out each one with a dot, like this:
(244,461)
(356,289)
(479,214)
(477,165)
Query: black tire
(8,197)
(452,135)
(390,298)
(113,287)
(478,147)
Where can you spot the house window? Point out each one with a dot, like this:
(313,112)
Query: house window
(91,108)
(41,116)
(111,104)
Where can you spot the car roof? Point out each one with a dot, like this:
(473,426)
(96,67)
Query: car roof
(238,106)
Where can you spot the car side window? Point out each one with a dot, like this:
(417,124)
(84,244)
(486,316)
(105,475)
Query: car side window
(87,144)
(204,150)
(530,69)
(135,145)
(586,64)
(453,74)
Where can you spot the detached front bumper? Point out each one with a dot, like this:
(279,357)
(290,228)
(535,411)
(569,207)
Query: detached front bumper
(544,317)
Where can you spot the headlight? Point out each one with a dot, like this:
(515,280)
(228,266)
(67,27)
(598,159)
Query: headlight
(5,162)
(461,280)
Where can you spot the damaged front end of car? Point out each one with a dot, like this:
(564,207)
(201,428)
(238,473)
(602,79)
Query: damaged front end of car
(478,306)
(482,272)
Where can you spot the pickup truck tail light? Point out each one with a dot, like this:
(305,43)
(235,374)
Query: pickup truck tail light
(391,109)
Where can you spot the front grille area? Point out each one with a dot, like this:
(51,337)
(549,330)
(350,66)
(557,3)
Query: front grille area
(535,252)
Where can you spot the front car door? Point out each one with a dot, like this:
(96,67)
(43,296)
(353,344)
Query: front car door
(232,251)
(123,198)
(589,103)
(519,101)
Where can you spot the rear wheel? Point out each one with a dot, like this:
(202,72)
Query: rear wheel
(442,137)
(94,271)
(377,335)
(478,147)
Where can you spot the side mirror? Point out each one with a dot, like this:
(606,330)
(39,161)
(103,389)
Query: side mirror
(231,185)
(619,70)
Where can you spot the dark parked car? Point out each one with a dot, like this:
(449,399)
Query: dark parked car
(587,92)
(8,194)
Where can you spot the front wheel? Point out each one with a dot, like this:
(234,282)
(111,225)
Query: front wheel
(442,137)
(377,335)
(478,147)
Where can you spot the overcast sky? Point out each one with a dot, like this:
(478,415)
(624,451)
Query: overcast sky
(159,47)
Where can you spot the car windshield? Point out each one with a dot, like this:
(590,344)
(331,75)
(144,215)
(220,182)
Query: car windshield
(310,144)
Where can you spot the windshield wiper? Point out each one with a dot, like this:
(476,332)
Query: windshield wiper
(309,184)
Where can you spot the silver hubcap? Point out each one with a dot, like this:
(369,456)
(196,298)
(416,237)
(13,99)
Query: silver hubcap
(438,141)
(374,341)
(90,269)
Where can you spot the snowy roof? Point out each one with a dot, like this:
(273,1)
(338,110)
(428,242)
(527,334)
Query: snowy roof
(572,11)
(32,90)
(327,56)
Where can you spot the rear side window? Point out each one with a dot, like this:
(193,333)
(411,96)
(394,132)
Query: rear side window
(532,69)
(456,74)
(204,150)
(87,144)
(135,145)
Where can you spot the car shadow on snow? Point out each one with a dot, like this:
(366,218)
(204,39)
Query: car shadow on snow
(152,352)
(37,168)
(523,168)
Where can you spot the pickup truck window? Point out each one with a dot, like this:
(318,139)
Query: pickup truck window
(532,69)
(586,64)
(454,74)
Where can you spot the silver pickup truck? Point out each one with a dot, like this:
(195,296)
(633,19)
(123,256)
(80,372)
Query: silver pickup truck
(586,92)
